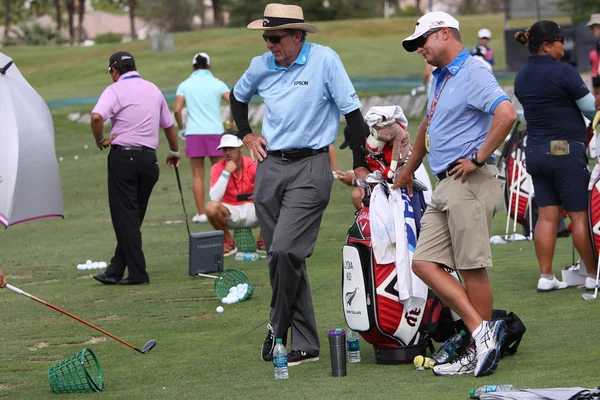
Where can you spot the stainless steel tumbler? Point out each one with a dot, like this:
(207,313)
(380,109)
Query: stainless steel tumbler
(337,349)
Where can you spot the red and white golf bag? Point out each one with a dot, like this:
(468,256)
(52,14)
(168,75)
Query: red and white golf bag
(399,328)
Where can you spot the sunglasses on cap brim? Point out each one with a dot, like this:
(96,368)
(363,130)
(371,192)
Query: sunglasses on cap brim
(275,38)
(110,67)
(557,39)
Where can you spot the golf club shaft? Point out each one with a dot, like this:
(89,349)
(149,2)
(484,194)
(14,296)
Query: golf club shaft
(207,276)
(182,202)
(17,290)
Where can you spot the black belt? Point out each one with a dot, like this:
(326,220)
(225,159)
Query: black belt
(446,173)
(118,147)
(296,154)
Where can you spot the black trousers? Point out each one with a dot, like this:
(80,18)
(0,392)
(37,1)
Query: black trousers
(131,178)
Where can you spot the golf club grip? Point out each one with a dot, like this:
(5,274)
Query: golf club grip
(17,290)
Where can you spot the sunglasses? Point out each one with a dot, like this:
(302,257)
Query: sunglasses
(558,39)
(275,38)
(423,39)
(110,67)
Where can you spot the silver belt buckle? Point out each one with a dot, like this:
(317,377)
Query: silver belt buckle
(283,157)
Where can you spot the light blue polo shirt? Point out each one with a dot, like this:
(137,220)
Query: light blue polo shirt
(464,111)
(203,94)
(304,102)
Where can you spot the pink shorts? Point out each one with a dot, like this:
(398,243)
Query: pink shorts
(202,146)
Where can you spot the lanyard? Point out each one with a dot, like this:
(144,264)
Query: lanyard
(436,99)
(432,110)
(131,77)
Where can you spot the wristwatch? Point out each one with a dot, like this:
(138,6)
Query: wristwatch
(474,160)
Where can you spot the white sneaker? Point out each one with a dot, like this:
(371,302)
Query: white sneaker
(464,364)
(590,283)
(488,341)
(547,285)
(200,219)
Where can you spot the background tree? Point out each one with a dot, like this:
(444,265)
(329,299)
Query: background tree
(579,10)
(6,21)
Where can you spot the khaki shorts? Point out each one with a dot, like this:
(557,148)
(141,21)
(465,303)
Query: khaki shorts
(241,216)
(456,227)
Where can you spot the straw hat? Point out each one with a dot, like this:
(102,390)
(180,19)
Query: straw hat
(594,20)
(282,16)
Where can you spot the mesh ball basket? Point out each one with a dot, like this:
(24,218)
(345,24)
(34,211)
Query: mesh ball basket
(79,373)
(244,240)
(230,278)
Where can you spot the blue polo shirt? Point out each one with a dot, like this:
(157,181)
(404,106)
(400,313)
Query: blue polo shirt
(464,111)
(304,102)
(548,89)
(203,94)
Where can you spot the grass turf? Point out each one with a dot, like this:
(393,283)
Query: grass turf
(368,48)
(216,356)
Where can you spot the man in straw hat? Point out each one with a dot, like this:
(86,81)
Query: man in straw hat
(468,117)
(594,25)
(305,89)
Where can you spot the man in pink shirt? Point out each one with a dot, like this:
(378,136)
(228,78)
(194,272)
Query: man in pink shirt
(231,189)
(136,109)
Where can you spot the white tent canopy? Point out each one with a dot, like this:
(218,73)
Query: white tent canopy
(30,185)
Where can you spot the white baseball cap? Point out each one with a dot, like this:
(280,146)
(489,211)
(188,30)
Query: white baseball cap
(431,20)
(201,55)
(484,33)
(229,140)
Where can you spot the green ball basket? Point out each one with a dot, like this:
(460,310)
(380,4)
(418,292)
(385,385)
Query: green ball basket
(229,278)
(79,373)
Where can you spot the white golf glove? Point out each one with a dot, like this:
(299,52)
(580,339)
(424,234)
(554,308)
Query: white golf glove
(182,133)
(594,176)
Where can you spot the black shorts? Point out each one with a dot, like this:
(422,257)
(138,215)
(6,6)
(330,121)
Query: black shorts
(596,82)
(559,180)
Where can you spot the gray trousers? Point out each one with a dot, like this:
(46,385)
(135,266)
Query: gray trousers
(290,197)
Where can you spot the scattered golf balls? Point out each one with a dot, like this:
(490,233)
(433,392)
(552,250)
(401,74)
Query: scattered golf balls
(76,157)
(220,309)
(60,158)
(85,146)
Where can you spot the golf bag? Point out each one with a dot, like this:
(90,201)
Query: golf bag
(398,330)
(594,216)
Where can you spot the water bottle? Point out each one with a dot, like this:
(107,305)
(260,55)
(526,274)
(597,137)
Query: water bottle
(443,354)
(353,347)
(242,256)
(475,393)
(280,360)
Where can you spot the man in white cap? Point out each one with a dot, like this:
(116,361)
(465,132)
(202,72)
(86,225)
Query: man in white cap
(231,188)
(482,49)
(594,25)
(202,93)
(306,90)
(468,117)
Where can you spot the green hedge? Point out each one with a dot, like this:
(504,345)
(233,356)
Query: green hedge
(109,38)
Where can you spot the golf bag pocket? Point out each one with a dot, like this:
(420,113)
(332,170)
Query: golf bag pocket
(355,257)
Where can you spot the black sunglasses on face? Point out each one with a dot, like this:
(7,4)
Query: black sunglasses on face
(423,38)
(275,38)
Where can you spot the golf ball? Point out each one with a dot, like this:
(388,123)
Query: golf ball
(220,309)
(85,146)
(60,158)
(76,157)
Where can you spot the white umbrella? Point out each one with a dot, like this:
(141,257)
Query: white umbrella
(29,179)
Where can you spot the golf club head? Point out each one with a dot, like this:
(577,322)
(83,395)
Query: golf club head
(588,296)
(419,186)
(375,177)
(148,346)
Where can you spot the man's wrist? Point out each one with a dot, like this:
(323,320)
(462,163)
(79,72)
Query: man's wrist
(225,174)
(100,141)
(174,153)
(477,162)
